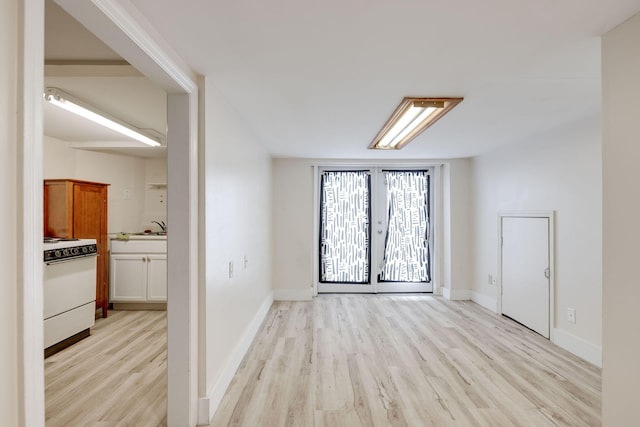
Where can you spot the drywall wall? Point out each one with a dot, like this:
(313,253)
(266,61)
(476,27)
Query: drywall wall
(59,160)
(293,232)
(621,227)
(132,203)
(237,289)
(456,220)
(295,237)
(155,193)
(8,215)
(559,171)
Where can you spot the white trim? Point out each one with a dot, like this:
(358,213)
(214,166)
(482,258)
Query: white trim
(490,303)
(315,262)
(125,30)
(293,294)
(30,136)
(456,294)
(217,391)
(437,219)
(135,26)
(182,261)
(576,345)
(550,215)
(121,26)
(204,405)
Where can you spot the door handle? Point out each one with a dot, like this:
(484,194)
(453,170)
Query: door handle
(547,273)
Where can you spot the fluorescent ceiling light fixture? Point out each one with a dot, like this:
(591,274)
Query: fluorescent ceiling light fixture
(412,117)
(65,101)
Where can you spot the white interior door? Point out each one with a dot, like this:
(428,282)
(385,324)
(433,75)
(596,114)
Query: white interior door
(525,272)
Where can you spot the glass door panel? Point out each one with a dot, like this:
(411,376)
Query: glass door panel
(405,264)
(345,218)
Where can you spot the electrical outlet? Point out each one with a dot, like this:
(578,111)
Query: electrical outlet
(126,194)
(490,279)
(571,315)
(246,262)
(230,269)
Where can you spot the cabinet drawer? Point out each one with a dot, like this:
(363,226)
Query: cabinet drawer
(135,246)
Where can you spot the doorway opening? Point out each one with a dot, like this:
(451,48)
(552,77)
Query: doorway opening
(124,34)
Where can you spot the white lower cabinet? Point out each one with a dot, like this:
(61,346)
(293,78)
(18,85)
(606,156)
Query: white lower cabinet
(138,276)
(157,277)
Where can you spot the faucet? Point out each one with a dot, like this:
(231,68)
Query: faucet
(162,225)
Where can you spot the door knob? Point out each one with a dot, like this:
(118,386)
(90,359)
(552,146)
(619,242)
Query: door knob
(547,273)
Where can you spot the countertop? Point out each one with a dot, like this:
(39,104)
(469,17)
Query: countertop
(141,237)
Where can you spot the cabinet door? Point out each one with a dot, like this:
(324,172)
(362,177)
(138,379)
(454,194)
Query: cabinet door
(58,209)
(157,277)
(128,277)
(90,222)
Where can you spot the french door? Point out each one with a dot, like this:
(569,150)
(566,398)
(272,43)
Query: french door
(375,230)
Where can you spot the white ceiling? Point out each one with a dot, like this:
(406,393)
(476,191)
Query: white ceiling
(319,78)
(67,40)
(84,67)
(133,100)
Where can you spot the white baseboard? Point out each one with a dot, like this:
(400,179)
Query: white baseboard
(292,294)
(576,345)
(204,405)
(485,301)
(216,393)
(456,294)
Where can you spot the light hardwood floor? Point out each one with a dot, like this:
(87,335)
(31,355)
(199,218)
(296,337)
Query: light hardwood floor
(383,360)
(115,377)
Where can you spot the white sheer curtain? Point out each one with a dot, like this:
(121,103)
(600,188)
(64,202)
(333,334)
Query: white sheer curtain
(406,250)
(345,214)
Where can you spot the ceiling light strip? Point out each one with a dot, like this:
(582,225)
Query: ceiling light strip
(67,102)
(412,117)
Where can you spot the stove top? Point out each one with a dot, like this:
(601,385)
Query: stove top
(62,248)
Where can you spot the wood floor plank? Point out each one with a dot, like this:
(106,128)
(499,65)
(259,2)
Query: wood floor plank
(115,377)
(405,360)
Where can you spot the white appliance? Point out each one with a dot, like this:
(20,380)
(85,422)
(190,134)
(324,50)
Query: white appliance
(69,281)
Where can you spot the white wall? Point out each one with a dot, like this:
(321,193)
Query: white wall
(456,221)
(559,171)
(238,224)
(155,201)
(122,172)
(8,214)
(295,237)
(293,241)
(621,227)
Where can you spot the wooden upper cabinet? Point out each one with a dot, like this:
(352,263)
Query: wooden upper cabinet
(78,209)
